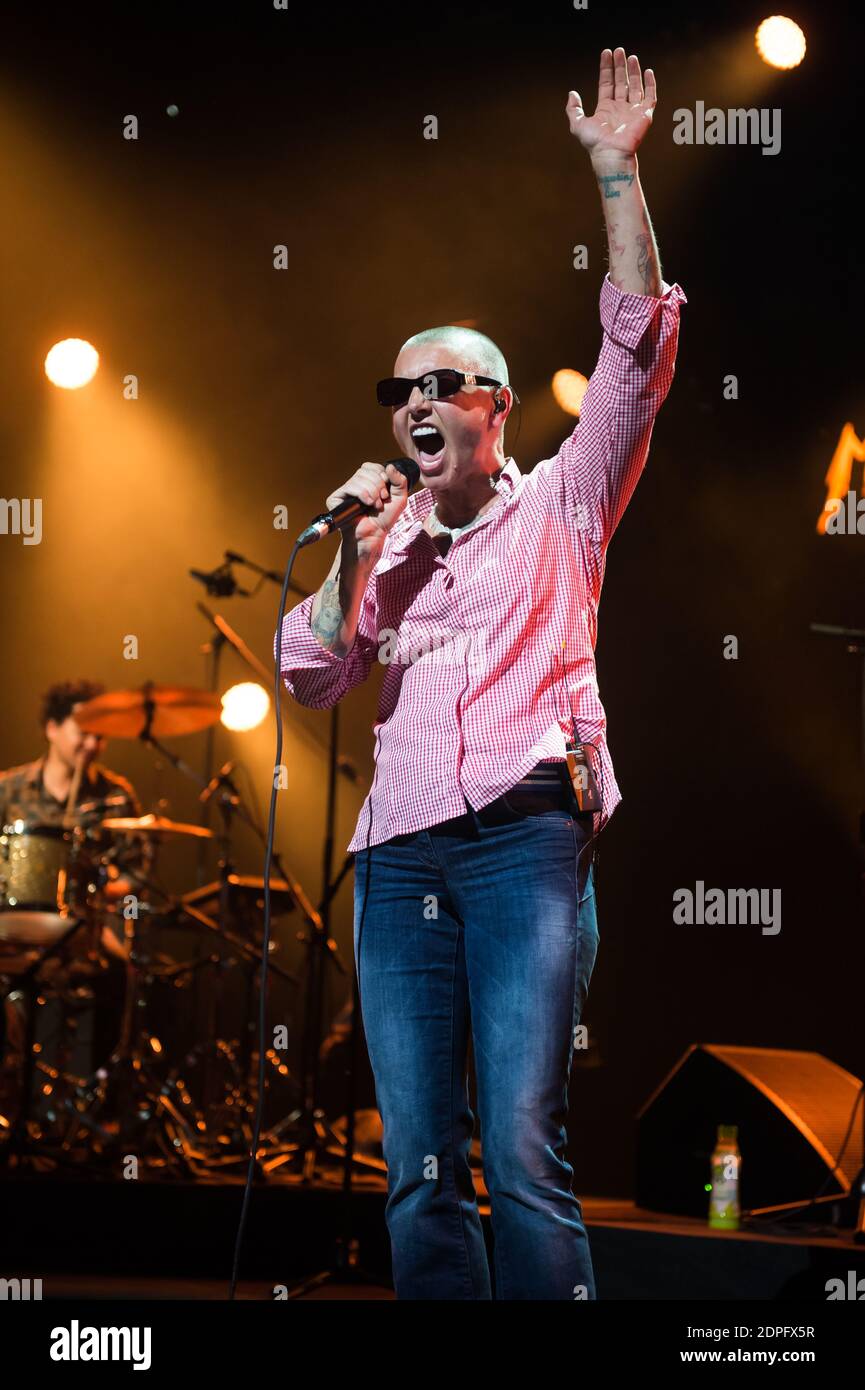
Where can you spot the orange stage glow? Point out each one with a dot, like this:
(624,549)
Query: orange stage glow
(569,388)
(850,450)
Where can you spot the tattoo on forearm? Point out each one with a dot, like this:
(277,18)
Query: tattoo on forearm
(647,264)
(606,182)
(329,618)
(616,248)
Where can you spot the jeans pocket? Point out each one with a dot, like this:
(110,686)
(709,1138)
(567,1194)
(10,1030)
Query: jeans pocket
(584,848)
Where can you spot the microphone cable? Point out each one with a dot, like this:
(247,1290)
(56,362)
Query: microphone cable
(265,948)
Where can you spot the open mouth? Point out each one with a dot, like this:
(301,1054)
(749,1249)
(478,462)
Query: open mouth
(429,443)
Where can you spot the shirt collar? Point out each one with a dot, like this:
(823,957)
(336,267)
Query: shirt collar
(421,503)
(33,775)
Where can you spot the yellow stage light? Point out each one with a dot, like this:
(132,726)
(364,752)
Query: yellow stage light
(780,42)
(244,706)
(71,364)
(569,387)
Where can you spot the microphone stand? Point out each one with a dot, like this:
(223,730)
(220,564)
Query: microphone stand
(221,583)
(316,1141)
(344,1267)
(213,651)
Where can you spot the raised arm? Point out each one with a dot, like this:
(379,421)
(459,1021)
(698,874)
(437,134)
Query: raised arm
(597,468)
(611,136)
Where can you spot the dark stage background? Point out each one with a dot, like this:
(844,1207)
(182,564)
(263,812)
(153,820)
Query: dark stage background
(256,389)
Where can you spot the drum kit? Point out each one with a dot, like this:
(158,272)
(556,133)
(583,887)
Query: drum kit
(73,913)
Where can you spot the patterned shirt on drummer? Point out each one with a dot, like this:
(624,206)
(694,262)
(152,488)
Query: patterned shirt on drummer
(25,798)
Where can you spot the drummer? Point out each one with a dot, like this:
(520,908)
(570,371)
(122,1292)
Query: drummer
(38,792)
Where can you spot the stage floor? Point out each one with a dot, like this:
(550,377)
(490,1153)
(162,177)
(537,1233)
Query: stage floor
(104,1238)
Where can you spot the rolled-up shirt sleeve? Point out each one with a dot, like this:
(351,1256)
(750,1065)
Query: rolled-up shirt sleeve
(599,464)
(313,675)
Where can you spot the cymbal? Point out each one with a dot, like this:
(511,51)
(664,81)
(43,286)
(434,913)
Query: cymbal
(26,927)
(154,825)
(170,709)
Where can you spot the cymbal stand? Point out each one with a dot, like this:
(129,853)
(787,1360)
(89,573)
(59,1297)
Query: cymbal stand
(231,804)
(125,1106)
(18,1144)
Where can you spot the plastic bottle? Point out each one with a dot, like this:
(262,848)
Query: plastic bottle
(726,1168)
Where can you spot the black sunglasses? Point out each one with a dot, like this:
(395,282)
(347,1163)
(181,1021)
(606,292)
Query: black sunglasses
(446,381)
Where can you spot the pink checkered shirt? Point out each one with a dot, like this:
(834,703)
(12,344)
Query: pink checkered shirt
(488,651)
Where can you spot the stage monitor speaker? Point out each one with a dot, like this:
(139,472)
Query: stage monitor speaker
(793,1110)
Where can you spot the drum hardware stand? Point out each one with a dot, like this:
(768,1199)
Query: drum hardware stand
(175,710)
(144,1102)
(18,1144)
(130,1071)
(163,1107)
(226,1148)
(317,1141)
(230,803)
(320,1135)
(314,1139)
(249,956)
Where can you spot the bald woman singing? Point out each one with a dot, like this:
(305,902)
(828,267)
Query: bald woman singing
(477,596)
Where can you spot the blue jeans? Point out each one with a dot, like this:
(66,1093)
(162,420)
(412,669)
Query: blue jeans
(488,927)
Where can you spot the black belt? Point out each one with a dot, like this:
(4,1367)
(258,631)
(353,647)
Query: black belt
(545,789)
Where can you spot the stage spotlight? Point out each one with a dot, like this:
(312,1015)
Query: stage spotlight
(569,387)
(780,42)
(244,706)
(71,364)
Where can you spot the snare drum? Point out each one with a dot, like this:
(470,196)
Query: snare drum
(38,883)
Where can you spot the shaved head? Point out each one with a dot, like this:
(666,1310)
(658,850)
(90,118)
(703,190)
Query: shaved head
(457,439)
(472,351)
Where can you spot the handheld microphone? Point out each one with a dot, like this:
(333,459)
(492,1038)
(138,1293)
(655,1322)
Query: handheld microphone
(349,509)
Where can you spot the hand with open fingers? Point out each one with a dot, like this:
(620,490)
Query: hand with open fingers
(624,110)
